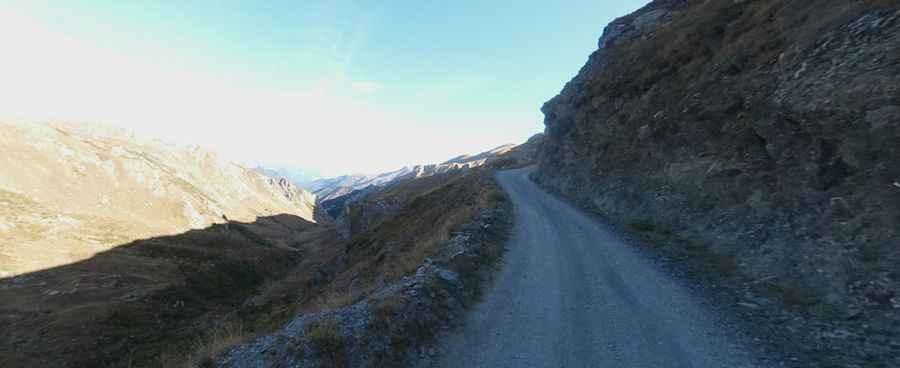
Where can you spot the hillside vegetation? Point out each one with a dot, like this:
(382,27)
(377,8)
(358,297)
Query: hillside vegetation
(151,302)
(408,275)
(419,254)
(118,251)
(132,253)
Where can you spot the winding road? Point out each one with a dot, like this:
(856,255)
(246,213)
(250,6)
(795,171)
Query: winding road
(572,293)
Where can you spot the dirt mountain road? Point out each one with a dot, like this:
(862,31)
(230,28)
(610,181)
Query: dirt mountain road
(572,293)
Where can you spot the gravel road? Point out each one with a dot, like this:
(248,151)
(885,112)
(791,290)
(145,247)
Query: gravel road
(572,293)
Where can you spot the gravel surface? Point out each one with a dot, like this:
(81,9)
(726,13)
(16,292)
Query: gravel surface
(572,293)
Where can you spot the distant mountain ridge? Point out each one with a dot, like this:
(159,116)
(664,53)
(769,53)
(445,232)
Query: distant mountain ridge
(299,177)
(331,188)
(70,191)
(364,207)
(481,156)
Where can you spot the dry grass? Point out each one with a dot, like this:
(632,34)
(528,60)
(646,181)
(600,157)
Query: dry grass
(390,201)
(395,248)
(735,37)
(333,300)
(204,350)
(409,325)
(384,310)
(325,337)
(218,341)
(401,242)
(382,255)
(145,299)
(198,277)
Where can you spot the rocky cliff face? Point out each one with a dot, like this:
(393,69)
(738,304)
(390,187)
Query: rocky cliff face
(768,131)
(68,192)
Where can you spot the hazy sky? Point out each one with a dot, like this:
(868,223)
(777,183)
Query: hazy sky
(334,86)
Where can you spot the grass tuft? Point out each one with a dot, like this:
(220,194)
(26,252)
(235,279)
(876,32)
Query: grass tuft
(324,336)
(218,341)
(384,310)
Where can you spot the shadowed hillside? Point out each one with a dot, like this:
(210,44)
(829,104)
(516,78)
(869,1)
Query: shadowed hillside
(400,281)
(91,282)
(184,299)
(141,302)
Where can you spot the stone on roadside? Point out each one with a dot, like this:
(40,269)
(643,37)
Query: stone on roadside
(448,275)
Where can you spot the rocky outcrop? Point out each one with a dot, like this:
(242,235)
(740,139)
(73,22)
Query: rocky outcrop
(69,191)
(290,191)
(299,177)
(767,131)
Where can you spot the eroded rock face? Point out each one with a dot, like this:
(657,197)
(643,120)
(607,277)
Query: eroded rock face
(768,130)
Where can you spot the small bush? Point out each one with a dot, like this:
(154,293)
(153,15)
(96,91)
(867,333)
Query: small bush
(324,336)
(497,196)
(335,300)
(219,340)
(384,310)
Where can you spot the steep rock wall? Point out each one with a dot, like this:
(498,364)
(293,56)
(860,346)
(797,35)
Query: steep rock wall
(766,130)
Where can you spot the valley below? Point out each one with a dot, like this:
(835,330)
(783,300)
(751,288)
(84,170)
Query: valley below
(169,256)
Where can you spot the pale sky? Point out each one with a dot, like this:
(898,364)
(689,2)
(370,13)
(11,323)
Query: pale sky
(331,86)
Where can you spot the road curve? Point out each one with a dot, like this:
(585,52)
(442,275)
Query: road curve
(572,293)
